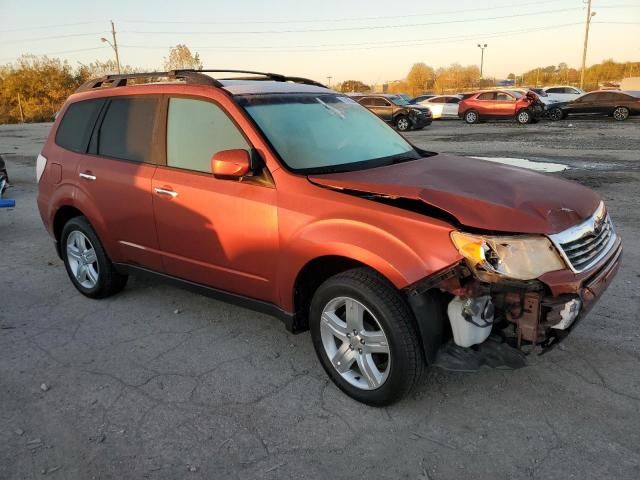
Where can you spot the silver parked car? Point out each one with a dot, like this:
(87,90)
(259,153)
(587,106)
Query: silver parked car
(442,106)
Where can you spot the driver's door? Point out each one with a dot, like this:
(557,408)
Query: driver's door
(383,109)
(221,233)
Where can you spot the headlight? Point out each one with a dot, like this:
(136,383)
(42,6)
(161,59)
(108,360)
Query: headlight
(521,257)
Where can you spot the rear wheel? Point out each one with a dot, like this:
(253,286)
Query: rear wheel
(524,116)
(403,123)
(86,262)
(621,113)
(364,335)
(555,114)
(471,117)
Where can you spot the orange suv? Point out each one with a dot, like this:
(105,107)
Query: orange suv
(279,194)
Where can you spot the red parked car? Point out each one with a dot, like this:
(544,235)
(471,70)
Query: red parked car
(497,104)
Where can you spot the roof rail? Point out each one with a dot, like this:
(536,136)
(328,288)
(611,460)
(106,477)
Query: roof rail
(191,76)
(122,80)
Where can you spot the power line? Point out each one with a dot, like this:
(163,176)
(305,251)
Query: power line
(343,29)
(365,45)
(326,20)
(55,37)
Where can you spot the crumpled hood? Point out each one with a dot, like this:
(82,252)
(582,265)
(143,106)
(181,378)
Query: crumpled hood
(479,194)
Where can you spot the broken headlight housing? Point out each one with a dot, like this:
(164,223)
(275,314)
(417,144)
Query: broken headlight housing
(519,257)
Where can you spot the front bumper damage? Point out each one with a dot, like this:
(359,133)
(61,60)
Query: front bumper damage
(504,320)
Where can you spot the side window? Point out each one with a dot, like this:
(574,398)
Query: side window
(367,102)
(504,97)
(438,100)
(126,131)
(196,130)
(453,100)
(487,96)
(76,125)
(556,90)
(380,102)
(572,91)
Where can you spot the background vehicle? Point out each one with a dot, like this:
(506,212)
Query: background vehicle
(541,94)
(442,106)
(420,98)
(619,105)
(396,111)
(4,182)
(500,104)
(563,93)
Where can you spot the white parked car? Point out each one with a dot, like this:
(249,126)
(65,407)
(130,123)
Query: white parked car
(544,98)
(442,106)
(563,93)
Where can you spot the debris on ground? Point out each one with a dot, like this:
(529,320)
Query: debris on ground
(177,311)
(44,387)
(19,432)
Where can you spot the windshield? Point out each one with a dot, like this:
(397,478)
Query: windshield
(398,100)
(322,133)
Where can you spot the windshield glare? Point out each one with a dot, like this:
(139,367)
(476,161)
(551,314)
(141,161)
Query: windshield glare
(315,133)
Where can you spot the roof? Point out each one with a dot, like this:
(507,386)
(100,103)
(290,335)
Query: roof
(253,87)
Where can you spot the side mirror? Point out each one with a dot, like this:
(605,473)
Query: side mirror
(231,163)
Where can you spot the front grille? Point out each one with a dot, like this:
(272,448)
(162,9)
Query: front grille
(586,244)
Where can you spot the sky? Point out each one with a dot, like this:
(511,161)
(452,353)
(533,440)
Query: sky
(373,41)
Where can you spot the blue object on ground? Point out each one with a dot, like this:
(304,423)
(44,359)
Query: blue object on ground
(7,203)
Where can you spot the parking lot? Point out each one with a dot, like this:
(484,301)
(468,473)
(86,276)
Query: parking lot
(160,383)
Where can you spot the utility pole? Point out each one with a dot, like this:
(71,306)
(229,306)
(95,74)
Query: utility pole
(586,41)
(20,108)
(329,81)
(113,45)
(482,47)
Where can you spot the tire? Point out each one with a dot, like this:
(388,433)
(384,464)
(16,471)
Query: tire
(524,116)
(621,113)
(471,117)
(555,114)
(384,341)
(403,123)
(86,262)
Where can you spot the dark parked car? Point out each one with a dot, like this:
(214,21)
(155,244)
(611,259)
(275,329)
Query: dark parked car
(497,104)
(618,105)
(395,110)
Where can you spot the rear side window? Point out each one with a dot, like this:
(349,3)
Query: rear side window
(76,125)
(487,96)
(196,130)
(127,128)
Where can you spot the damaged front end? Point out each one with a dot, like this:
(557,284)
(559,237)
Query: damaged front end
(516,294)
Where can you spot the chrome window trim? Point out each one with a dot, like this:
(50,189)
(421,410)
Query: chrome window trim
(577,232)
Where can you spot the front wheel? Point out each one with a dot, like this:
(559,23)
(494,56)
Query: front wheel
(621,113)
(524,116)
(471,117)
(364,335)
(555,114)
(403,123)
(86,262)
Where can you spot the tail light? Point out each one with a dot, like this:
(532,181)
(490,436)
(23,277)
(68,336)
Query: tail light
(41,164)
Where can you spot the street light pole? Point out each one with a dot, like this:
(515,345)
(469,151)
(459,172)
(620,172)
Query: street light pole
(329,81)
(482,47)
(113,45)
(586,41)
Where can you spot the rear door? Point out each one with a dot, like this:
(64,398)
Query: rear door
(436,105)
(116,178)
(222,233)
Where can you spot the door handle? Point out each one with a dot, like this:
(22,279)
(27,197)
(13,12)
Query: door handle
(87,176)
(164,191)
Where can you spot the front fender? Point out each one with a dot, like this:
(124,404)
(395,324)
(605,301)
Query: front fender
(352,239)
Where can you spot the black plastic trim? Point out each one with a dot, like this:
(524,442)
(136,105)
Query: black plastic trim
(288,318)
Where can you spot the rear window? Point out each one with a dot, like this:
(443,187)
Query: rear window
(76,125)
(127,128)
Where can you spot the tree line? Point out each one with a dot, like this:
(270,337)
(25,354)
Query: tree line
(33,88)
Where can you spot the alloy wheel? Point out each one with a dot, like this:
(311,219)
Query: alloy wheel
(524,117)
(403,124)
(82,260)
(620,113)
(471,117)
(355,343)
